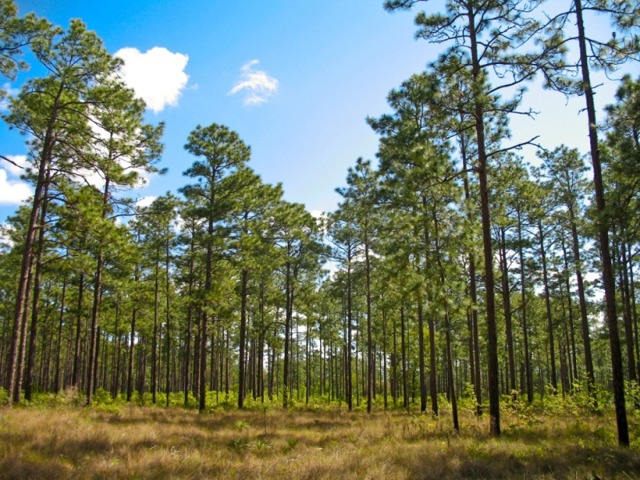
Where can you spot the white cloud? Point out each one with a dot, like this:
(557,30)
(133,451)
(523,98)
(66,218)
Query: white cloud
(19,161)
(95,178)
(256,85)
(143,202)
(12,192)
(89,176)
(5,236)
(319,214)
(178,223)
(157,76)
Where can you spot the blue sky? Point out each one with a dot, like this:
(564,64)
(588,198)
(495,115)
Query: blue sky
(296,80)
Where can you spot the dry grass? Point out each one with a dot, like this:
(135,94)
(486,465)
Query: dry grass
(138,442)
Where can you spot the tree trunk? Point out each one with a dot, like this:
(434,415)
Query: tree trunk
(168,318)
(506,302)
(35,308)
(603,237)
(490,301)
(473,289)
(57,383)
(348,372)
(547,303)
(627,317)
(95,311)
(243,334)
(525,323)
(287,330)
(370,358)
(421,355)
(403,347)
(384,358)
(452,388)
(154,339)
(571,343)
(22,296)
(188,339)
(132,340)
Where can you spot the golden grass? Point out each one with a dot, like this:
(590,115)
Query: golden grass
(145,442)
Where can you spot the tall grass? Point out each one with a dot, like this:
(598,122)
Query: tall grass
(119,441)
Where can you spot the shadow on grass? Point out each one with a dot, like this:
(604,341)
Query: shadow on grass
(489,462)
(19,468)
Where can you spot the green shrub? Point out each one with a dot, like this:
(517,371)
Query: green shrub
(102,397)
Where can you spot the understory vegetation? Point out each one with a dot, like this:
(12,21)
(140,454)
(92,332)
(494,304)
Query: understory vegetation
(54,438)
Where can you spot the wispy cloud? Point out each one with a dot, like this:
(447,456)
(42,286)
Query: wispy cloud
(157,76)
(256,85)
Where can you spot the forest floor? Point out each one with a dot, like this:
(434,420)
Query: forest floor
(48,442)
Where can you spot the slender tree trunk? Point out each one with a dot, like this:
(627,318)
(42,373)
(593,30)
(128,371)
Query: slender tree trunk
(154,340)
(349,375)
(35,308)
(142,367)
(603,238)
(490,300)
(403,347)
(525,322)
(370,357)
(95,312)
(308,361)
(473,289)
(547,303)
(96,360)
(433,365)
(634,317)
(452,388)
(506,302)
(384,358)
(227,361)
(626,303)
(77,349)
(202,348)
(287,330)
(117,355)
(571,343)
(582,301)
(394,365)
(132,341)
(188,339)
(450,374)
(168,316)
(243,334)
(57,380)
(202,358)
(22,296)
(421,355)
(22,341)
(262,341)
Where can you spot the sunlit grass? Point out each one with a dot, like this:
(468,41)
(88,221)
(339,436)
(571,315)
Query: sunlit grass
(152,442)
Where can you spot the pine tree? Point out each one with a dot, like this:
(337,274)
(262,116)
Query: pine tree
(222,152)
